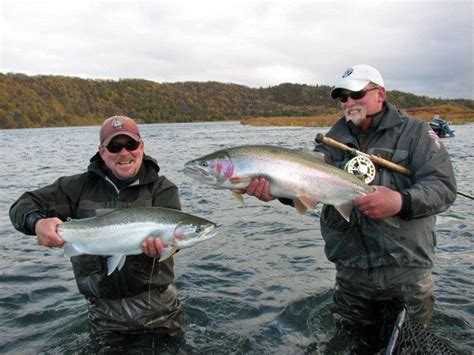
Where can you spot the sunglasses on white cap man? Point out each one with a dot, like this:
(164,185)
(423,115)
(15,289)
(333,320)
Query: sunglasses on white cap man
(356,79)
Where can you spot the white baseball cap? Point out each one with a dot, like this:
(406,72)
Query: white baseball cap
(356,78)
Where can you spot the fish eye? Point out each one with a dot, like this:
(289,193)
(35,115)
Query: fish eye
(204,164)
(199,229)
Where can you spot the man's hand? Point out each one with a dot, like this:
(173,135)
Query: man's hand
(381,203)
(46,233)
(259,188)
(152,247)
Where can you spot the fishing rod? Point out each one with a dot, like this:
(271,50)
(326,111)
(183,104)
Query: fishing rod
(360,168)
(465,195)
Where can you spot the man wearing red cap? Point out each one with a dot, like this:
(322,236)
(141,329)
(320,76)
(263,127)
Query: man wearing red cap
(141,297)
(376,264)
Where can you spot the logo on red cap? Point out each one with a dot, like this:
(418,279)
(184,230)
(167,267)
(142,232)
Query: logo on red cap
(118,123)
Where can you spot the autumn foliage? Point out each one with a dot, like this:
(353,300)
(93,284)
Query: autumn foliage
(48,101)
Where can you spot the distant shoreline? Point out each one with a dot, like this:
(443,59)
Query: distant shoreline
(449,113)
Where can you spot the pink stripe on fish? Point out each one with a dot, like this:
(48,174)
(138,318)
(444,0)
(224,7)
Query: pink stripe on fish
(223,167)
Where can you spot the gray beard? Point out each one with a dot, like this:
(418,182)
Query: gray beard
(356,114)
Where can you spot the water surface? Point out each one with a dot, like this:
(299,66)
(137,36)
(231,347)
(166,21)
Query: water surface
(262,286)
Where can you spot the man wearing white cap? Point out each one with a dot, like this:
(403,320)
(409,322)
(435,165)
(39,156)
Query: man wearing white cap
(356,83)
(378,264)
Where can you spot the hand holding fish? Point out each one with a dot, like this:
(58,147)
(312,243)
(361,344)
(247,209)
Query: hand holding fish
(153,247)
(381,203)
(270,171)
(48,236)
(46,233)
(117,233)
(258,188)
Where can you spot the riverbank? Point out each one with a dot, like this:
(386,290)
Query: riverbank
(453,114)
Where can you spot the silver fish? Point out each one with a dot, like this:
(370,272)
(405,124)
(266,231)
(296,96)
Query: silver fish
(303,177)
(121,232)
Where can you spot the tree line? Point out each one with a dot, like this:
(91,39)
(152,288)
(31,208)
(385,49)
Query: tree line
(49,101)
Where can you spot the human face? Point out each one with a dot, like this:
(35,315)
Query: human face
(356,110)
(124,164)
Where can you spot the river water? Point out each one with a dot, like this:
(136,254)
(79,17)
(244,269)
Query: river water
(261,286)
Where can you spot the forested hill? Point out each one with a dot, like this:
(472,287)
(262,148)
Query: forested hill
(47,101)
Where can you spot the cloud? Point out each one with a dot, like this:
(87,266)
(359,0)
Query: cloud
(424,47)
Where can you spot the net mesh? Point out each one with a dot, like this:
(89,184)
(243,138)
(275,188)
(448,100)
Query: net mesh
(408,336)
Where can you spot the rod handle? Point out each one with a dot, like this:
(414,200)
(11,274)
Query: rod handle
(320,138)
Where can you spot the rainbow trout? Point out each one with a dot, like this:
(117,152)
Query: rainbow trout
(121,232)
(303,177)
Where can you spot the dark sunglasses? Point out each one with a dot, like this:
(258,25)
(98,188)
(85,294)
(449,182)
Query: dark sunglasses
(130,145)
(354,95)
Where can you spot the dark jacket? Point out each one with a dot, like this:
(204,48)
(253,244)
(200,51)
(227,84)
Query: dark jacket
(431,189)
(79,196)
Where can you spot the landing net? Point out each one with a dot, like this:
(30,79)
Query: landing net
(411,337)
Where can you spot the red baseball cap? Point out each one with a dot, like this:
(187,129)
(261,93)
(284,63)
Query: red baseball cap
(116,126)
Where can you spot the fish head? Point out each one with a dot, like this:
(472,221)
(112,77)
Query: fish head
(187,234)
(215,169)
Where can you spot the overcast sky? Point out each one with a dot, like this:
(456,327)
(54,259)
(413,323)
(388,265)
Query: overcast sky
(420,46)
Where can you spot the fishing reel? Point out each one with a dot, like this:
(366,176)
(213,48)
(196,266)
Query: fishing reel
(362,167)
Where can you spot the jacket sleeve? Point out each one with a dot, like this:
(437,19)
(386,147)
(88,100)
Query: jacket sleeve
(434,183)
(56,200)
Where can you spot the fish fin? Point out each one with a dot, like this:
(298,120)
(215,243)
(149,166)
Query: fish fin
(115,262)
(71,250)
(345,210)
(104,211)
(238,196)
(122,262)
(392,221)
(309,202)
(168,251)
(300,207)
(238,180)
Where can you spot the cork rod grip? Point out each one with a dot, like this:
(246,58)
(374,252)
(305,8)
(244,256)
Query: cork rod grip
(320,138)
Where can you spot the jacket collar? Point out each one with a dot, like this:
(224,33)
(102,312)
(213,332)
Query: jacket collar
(391,118)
